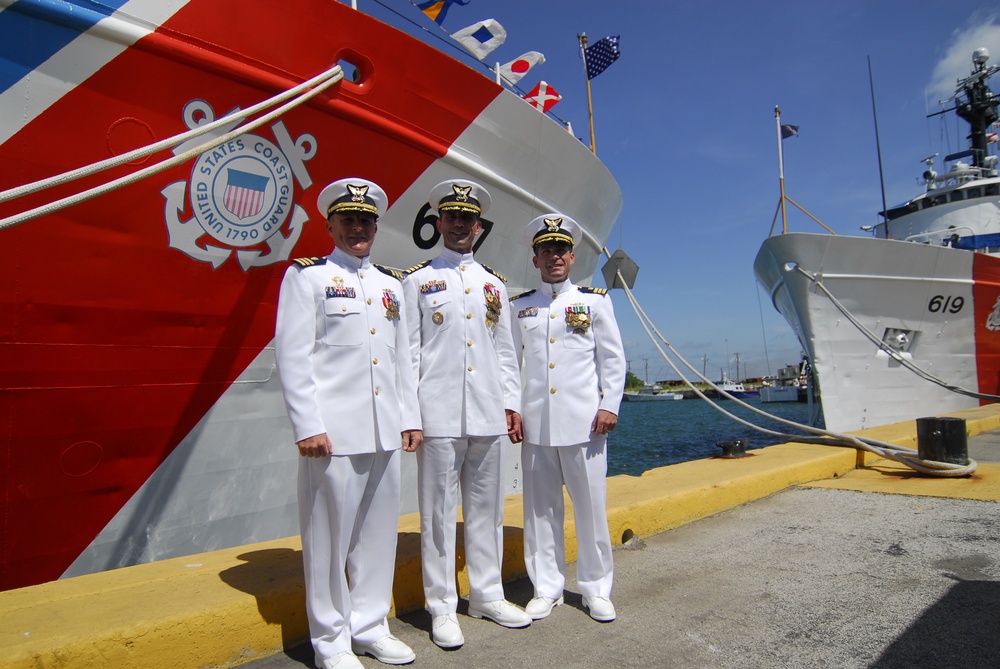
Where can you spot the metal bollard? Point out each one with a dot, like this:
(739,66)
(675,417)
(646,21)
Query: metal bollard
(943,440)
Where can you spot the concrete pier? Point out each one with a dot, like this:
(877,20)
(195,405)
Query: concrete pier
(793,557)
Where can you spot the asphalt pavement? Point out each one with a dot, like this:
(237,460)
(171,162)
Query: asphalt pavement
(808,577)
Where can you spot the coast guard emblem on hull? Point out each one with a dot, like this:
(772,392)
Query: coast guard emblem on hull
(241,193)
(993,321)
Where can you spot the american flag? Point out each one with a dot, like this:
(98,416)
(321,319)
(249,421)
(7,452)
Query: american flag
(600,55)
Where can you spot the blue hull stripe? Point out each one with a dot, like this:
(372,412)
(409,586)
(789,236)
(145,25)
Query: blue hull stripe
(32,31)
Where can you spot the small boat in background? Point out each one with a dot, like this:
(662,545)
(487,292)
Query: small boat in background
(737,390)
(651,393)
(788,386)
(779,394)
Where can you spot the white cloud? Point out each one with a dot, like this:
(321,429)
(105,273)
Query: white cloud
(983,31)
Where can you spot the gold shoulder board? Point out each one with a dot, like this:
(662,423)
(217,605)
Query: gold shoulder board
(525,294)
(495,273)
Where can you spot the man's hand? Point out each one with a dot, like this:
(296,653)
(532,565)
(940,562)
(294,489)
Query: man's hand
(412,440)
(514,427)
(604,422)
(317,446)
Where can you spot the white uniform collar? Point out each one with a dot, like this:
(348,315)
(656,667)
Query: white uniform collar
(456,258)
(556,289)
(349,261)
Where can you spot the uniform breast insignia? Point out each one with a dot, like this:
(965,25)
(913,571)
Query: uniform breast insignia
(338,289)
(592,290)
(530,312)
(391,304)
(524,294)
(493,305)
(438,318)
(578,318)
(433,286)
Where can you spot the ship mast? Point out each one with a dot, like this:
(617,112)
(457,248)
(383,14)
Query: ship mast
(979,109)
(976,105)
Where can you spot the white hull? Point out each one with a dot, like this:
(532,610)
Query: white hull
(889,287)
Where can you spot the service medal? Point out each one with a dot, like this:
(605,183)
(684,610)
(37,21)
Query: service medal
(433,286)
(493,305)
(438,318)
(338,289)
(578,318)
(391,304)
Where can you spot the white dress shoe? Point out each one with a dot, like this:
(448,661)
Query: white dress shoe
(541,607)
(446,632)
(345,660)
(388,650)
(601,609)
(501,612)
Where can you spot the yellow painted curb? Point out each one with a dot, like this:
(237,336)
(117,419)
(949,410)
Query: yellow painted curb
(227,607)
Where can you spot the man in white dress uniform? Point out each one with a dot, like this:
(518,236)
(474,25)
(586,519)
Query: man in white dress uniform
(469,389)
(571,350)
(343,360)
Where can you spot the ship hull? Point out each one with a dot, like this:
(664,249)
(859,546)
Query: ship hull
(933,304)
(141,414)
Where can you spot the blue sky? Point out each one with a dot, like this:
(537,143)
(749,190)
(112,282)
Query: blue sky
(685,122)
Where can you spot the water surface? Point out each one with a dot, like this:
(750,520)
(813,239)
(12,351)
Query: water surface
(656,434)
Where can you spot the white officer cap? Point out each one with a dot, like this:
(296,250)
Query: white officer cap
(459,195)
(352,194)
(552,227)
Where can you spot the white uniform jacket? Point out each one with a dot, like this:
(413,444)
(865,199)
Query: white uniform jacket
(340,332)
(461,345)
(574,362)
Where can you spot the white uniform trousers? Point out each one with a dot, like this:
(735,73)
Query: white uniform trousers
(349,519)
(583,468)
(442,464)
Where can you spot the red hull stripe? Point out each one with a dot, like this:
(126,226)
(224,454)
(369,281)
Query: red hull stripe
(986,296)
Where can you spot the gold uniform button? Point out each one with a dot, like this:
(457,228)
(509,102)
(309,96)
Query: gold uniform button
(468,343)
(373,330)
(468,316)
(343,308)
(374,361)
(552,391)
(470,368)
(552,365)
(462,268)
(361,274)
(376,391)
(468,290)
(369,300)
(552,340)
